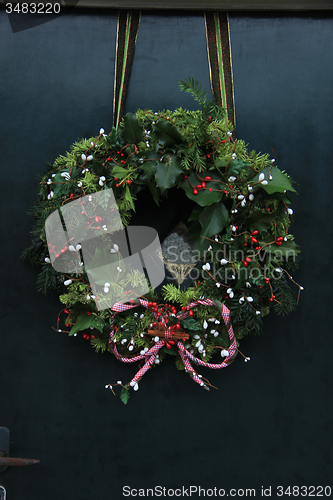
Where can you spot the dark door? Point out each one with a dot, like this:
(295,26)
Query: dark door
(270,422)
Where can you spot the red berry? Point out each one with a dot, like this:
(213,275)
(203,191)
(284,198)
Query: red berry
(231,186)
(278,243)
(195,191)
(172,342)
(209,189)
(223,141)
(280,238)
(116,179)
(117,185)
(254,240)
(154,304)
(128,181)
(62,250)
(66,311)
(245,263)
(203,185)
(199,186)
(254,233)
(168,346)
(207,178)
(177,326)
(190,313)
(57,255)
(89,313)
(247,259)
(185,177)
(154,324)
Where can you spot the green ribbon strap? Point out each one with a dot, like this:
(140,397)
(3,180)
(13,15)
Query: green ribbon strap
(127,31)
(219,57)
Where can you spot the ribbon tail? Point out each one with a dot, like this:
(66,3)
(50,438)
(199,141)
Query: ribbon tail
(189,368)
(151,356)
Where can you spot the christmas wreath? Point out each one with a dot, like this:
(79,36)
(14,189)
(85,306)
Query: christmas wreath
(239,225)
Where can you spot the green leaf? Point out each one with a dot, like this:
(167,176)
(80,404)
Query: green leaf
(99,268)
(132,131)
(112,139)
(279,183)
(167,134)
(148,171)
(103,198)
(259,221)
(204,196)
(119,172)
(234,166)
(155,192)
(85,321)
(287,249)
(99,169)
(213,219)
(200,244)
(168,171)
(129,197)
(124,395)
(191,324)
(179,364)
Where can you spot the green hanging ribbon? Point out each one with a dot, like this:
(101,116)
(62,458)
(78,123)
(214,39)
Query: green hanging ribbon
(219,57)
(127,31)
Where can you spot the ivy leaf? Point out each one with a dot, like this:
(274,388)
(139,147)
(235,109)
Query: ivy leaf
(86,321)
(119,172)
(278,184)
(167,171)
(204,196)
(132,131)
(259,221)
(287,249)
(167,134)
(124,395)
(217,219)
(191,324)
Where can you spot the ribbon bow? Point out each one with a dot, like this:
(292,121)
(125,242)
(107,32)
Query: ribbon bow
(185,355)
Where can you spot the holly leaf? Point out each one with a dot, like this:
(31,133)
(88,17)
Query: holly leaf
(168,171)
(213,219)
(279,182)
(124,395)
(132,130)
(167,134)
(129,197)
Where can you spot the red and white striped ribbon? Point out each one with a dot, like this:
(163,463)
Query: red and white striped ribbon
(185,355)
